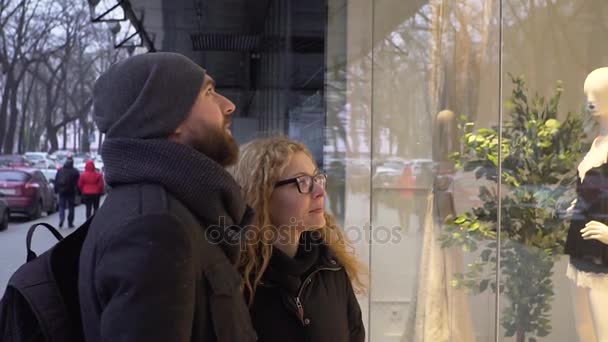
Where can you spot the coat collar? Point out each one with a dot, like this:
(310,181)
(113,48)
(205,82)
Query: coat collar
(313,255)
(200,183)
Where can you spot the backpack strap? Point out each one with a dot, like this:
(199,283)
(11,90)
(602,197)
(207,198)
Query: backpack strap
(31,255)
(49,286)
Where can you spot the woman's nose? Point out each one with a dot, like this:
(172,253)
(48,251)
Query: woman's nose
(318,190)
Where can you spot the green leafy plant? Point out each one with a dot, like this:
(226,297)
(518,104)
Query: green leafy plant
(539,159)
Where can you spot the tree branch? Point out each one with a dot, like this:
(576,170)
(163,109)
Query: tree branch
(81,111)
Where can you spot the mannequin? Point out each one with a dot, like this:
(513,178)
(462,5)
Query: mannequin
(587,241)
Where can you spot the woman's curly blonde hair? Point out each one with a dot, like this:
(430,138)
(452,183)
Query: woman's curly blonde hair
(261,163)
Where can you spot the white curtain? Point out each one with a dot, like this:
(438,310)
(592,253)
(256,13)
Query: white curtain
(441,312)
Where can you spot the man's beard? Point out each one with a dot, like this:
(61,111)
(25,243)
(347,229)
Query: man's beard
(216,144)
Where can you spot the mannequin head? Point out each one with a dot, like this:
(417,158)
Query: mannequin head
(596,89)
(446,136)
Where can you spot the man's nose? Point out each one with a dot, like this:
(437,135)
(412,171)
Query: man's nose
(229,107)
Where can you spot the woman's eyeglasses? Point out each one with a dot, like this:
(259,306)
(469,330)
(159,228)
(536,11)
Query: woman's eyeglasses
(305,183)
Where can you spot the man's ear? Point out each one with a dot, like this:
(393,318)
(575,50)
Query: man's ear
(177,133)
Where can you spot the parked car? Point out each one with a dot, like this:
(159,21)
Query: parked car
(386,177)
(50,175)
(27,191)
(61,154)
(390,172)
(99,165)
(35,156)
(40,160)
(14,160)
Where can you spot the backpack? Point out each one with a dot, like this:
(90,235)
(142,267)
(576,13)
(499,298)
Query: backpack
(64,182)
(41,299)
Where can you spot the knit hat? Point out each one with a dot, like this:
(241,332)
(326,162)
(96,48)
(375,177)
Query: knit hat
(146,96)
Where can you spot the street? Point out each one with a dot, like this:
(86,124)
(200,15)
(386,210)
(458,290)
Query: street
(12,241)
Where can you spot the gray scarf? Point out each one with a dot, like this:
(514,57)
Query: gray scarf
(200,183)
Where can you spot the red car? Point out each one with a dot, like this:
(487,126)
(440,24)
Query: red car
(14,160)
(27,191)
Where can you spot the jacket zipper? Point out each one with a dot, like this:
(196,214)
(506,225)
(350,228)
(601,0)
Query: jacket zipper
(300,309)
(304,283)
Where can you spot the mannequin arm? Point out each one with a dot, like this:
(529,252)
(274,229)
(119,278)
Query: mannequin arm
(571,207)
(570,210)
(595,230)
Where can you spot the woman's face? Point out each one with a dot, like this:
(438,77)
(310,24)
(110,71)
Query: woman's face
(289,207)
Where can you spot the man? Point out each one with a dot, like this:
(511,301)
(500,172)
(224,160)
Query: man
(158,262)
(66,183)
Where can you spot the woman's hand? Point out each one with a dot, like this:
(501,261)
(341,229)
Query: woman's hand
(595,231)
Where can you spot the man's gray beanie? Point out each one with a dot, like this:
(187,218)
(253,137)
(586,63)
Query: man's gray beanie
(146,96)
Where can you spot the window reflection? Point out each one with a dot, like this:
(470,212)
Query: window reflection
(393,78)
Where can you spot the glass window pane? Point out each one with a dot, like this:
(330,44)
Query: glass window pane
(409,73)
(405,105)
(348,133)
(13,176)
(550,47)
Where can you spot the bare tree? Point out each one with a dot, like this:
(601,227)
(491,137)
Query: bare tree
(50,57)
(25,99)
(25,26)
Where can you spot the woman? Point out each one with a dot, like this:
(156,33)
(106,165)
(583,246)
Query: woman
(91,187)
(298,269)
